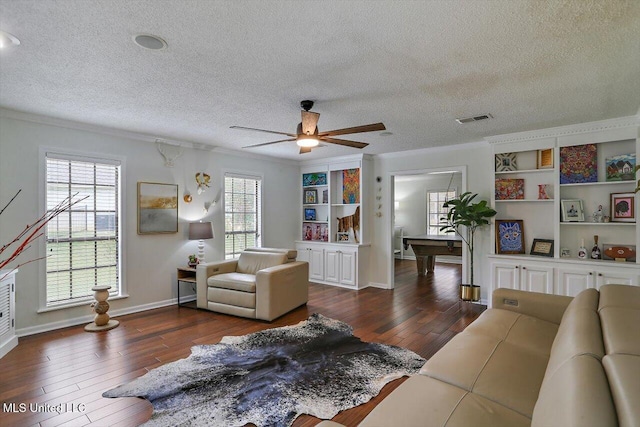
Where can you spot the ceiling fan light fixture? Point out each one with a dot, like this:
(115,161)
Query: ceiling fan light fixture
(307,141)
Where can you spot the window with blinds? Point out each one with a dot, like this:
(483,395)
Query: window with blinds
(242,213)
(436,210)
(83,243)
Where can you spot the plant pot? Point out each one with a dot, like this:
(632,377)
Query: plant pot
(469,292)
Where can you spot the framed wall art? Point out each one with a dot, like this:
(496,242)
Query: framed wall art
(578,164)
(545,159)
(621,168)
(623,207)
(309,214)
(509,236)
(310,197)
(572,210)
(309,179)
(506,162)
(157,208)
(510,189)
(542,247)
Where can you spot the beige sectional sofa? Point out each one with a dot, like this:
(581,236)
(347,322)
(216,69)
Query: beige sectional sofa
(531,360)
(263,283)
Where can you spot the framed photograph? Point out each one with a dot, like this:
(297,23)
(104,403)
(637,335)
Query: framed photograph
(325,196)
(623,207)
(509,236)
(621,168)
(309,214)
(506,162)
(578,164)
(157,208)
(545,158)
(572,210)
(342,236)
(542,247)
(309,179)
(310,197)
(619,252)
(510,189)
(565,252)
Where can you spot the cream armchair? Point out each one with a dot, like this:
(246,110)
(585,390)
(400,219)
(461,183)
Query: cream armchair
(263,283)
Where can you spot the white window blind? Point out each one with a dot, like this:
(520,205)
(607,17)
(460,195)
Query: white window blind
(83,247)
(436,210)
(242,213)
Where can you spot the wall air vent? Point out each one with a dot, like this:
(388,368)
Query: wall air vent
(474,118)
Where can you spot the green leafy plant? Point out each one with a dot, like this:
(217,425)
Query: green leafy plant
(465,217)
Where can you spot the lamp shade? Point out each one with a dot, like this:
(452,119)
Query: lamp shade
(200,230)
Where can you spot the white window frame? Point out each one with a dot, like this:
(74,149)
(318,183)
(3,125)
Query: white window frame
(42,185)
(259,214)
(429,225)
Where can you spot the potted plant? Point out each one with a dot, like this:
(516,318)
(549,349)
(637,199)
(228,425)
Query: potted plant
(193,261)
(464,218)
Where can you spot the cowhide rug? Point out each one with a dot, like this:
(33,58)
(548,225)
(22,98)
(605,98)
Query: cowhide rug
(268,378)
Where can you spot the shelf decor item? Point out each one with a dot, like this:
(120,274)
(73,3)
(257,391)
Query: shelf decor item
(307,231)
(309,179)
(578,164)
(543,247)
(509,236)
(572,210)
(543,192)
(310,197)
(506,162)
(309,214)
(351,186)
(545,159)
(510,189)
(623,207)
(621,168)
(464,218)
(618,252)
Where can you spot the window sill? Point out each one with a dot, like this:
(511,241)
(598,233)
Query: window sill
(82,303)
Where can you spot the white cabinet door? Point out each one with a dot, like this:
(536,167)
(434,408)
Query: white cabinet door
(348,263)
(332,266)
(316,264)
(573,281)
(506,275)
(535,278)
(608,276)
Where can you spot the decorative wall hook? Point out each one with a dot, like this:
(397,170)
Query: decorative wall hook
(170,152)
(202,179)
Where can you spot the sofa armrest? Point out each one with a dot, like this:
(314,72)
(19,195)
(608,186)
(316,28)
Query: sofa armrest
(543,306)
(206,270)
(281,288)
(328,423)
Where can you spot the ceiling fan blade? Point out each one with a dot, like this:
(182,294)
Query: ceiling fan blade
(305,150)
(263,130)
(309,122)
(353,144)
(356,129)
(268,143)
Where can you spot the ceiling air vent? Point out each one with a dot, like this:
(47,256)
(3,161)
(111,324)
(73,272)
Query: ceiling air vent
(474,119)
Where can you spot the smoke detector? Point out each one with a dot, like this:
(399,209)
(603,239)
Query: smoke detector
(481,117)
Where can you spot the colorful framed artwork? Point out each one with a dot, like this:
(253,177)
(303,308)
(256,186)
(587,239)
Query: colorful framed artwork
(545,159)
(623,207)
(506,162)
(618,252)
(157,208)
(310,179)
(307,231)
(572,210)
(309,214)
(542,247)
(510,189)
(324,232)
(509,236)
(351,186)
(621,168)
(578,164)
(310,197)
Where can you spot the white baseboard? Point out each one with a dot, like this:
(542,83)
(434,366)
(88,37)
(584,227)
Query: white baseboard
(7,346)
(23,332)
(379,285)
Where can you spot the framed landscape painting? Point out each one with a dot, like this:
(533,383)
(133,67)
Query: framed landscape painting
(157,208)
(621,168)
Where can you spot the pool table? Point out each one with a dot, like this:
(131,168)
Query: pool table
(428,246)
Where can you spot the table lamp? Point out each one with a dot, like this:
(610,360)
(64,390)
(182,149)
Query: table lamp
(200,231)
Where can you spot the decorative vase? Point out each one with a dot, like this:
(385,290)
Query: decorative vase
(469,292)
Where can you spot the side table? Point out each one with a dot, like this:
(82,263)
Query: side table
(187,275)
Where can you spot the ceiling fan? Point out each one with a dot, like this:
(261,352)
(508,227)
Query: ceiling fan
(307,135)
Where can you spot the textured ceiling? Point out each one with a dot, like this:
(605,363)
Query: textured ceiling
(414,65)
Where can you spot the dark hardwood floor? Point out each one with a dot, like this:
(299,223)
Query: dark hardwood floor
(71,367)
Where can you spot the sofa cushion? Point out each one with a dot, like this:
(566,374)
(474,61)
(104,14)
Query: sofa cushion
(620,330)
(251,262)
(427,402)
(231,297)
(291,254)
(587,299)
(235,281)
(622,296)
(623,371)
(576,394)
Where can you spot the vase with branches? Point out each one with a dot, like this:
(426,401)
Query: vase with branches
(463,218)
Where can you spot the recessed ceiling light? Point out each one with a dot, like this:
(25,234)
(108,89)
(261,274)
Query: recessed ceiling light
(149,41)
(7,40)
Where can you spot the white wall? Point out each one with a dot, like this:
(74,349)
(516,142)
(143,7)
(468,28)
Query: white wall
(150,261)
(478,160)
